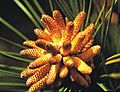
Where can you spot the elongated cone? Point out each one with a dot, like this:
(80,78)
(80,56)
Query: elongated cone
(81,66)
(76,77)
(38,85)
(56,84)
(49,46)
(65,48)
(42,34)
(42,72)
(55,59)
(28,72)
(30,43)
(88,45)
(63,72)
(87,78)
(52,27)
(68,61)
(67,32)
(52,74)
(69,29)
(34,53)
(76,42)
(88,33)
(78,22)
(91,52)
(40,61)
(58,19)
(66,20)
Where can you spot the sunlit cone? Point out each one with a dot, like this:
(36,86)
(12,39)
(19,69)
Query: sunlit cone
(78,22)
(91,52)
(61,46)
(88,45)
(52,74)
(34,53)
(42,72)
(40,61)
(38,85)
(81,66)
(76,77)
(55,59)
(63,72)
(68,61)
(42,34)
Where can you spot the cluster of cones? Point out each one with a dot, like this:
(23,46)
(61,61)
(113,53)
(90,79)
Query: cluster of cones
(60,51)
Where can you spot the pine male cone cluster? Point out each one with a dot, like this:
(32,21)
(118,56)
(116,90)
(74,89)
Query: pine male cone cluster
(60,51)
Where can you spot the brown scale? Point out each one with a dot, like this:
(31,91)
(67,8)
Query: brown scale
(78,22)
(42,72)
(88,33)
(38,85)
(69,29)
(49,46)
(30,43)
(58,19)
(34,53)
(68,61)
(28,72)
(65,48)
(40,61)
(63,72)
(87,78)
(55,59)
(42,34)
(76,77)
(88,45)
(52,74)
(81,66)
(91,52)
(52,27)
(76,42)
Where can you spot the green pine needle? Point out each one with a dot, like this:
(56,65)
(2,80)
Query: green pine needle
(11,67)
(14,57)
(8,73)
(12,84)
(24,9)
(51,5)
(112,75)
(13,28)
(13,43)
(38,6)
(101,85)
(33,11)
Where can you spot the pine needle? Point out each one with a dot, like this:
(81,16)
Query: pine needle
(112,61)
(24,9)
(11,67)
(112,75)
(38,6)
(13,43)
(88,14)
(51,5)
(101,85)
(33,11)
(14,57)
(13,28)
(114,56)
(8,73)
(12,84)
